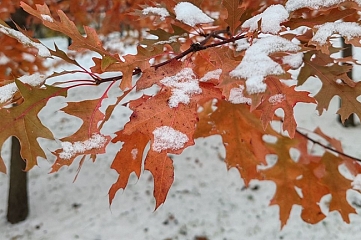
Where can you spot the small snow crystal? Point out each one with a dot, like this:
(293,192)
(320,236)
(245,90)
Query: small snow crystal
(134,153)
(191,15)
(345,29)
(162,12)
(256,63)
(272,17)
(168,138)
(71,149)
(356,184)
(277,98)
(236,96)
(184,84)
(47,18)
(215,74)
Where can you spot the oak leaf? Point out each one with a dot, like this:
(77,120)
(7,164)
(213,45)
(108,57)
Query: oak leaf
(22,121)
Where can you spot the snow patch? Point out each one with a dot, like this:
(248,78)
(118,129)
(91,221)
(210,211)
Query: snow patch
(356,183)
(293,5)
(271,19)
(134,153)
(256,63)
(47,18)
(236,96)
(166,137)
(42,50)
(184,84)
(191,15)
(215,74)
(7,91)
(162,12)
(277,98)
(348,30)
(293,60)
(70,149)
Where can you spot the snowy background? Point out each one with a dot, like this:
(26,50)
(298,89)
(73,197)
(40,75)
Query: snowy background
(205,202)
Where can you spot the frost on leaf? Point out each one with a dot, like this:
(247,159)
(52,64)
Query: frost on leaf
(191,15)
(168,138)
(257,64)
(184,84)
(271,19)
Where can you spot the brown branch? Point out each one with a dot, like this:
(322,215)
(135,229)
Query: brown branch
(327,147)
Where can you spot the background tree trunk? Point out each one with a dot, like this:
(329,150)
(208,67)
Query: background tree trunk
(347,52)
(18,207)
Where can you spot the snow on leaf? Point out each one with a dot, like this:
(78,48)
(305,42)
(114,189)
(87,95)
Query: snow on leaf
(42,50)
(168,138)
(162,12)
(293,5)
(236,96)
(191,15)
(184,84)
(271,20)
(257,64)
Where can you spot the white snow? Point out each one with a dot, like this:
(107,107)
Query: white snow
(356,183)
(215,74)
(293,60)
(293,5)
(4,59)
(162,12)
(184,84)
(7,91)
(166,137)
(71,149)
(271,19)
(42,50)
(47,18)
(345,29)
(256,64)
(191,15)
(277,98)
(134,153)
(236,96)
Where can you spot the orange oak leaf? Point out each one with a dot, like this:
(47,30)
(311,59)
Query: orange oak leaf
(284,174)
(241,132)
(279,95)
(91,41)
(22,122)
(161,167)
(337,185)
(312,190)
(88,111)
(128,159)
(234,14)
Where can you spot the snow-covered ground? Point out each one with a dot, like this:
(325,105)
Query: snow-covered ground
(205,202)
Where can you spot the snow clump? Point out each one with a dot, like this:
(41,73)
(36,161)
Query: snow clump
(166,137)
